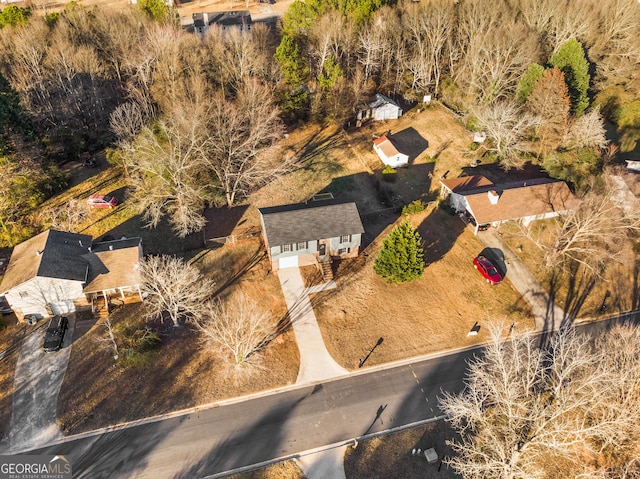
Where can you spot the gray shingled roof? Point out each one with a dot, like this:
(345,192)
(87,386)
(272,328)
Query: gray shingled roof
(306,222)
(51,254)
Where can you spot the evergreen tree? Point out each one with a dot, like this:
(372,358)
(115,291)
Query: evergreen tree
(528,80)
(571,61)
(401,258)
(14,16)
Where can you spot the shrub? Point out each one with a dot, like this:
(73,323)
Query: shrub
(401,258)
(416,206)
(137,345)
(389,174)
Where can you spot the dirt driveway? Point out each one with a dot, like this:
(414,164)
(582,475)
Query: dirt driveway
(37,382)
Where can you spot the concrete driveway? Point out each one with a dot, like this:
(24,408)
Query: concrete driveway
(316,364)
(36,385)
(547,315)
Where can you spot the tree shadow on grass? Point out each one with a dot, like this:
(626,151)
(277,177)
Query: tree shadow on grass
(159,240)
(439,231)
(222,222)
(497,174)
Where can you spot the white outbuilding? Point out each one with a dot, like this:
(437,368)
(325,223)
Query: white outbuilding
(388,152)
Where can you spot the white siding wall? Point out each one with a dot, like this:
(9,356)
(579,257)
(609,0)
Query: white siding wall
(387,112)
(335,243)
(34,295)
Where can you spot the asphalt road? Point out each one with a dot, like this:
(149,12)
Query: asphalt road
(249,432)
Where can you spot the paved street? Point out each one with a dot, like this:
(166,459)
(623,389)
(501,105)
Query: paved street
(277,425)
(242,433)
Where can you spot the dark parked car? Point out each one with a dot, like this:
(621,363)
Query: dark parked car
(4,306)
(487,270)
(54,336)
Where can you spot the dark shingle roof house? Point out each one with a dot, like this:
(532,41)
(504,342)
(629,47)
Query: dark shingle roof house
(293,223)
(56,272)
(51,254)
(310,233)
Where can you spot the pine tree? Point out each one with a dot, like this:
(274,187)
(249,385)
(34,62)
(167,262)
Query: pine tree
(401,258)
(528,80)
(571,61)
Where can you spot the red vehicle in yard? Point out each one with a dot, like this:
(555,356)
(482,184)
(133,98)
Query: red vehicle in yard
(487,270)
(102,201)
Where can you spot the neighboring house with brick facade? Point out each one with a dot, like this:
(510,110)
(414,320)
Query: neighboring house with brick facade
(484,203)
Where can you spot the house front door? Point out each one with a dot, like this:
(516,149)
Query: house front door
(322,249)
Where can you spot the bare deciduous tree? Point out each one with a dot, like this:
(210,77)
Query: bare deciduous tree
(66,217)
(108,342)
(510,129)
(241,142)
(587,131)
(170,285)
(522,405)
(237,328)
(166,170)
(590,234)
(428,28)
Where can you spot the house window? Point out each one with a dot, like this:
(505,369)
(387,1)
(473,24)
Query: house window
(343,250)
(345,239)
(285,248)
(302,245)
(24,294)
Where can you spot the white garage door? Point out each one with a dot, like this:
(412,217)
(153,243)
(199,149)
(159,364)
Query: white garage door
(62,307)
(288,262)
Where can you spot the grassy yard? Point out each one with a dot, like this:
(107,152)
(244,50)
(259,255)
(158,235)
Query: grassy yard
(427,315)
(180,372)
(580,292)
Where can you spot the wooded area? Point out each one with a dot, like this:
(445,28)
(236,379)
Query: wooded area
(196,122)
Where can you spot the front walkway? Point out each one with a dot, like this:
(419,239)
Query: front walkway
(547,315)
(36,385)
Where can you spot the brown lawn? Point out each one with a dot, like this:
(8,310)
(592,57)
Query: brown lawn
(580,292)
(391,456)
(181,373)
(431,314)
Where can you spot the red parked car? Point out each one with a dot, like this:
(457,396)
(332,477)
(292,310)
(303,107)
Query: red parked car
(487,270)
(102,201)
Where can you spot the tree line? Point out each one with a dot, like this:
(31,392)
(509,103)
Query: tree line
(195,122)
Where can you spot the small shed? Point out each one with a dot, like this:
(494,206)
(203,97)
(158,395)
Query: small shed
(388,152)
(382,108)
(633,165)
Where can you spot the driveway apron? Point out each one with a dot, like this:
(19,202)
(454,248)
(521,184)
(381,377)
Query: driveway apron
(36,385)
(328,464)
(547,315)
(316,363)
